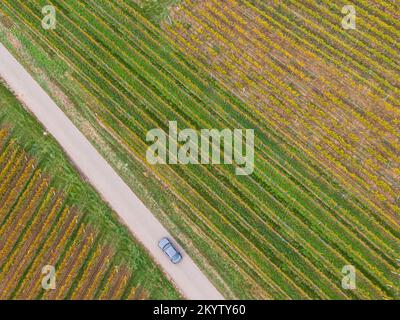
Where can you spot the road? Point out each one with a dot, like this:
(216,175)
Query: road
(186,276)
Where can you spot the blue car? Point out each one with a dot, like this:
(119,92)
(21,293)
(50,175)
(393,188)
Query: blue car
(170,250)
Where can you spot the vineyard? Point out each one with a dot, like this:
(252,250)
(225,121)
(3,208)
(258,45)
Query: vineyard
(323,102)
(310,85)
(40,226)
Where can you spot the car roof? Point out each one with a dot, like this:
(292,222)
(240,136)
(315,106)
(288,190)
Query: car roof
(170,251)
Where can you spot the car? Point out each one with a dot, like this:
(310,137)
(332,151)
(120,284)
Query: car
(173,254)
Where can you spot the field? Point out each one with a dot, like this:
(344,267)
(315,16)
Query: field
(43,222)
(323,103)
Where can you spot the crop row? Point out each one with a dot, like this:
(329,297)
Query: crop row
(336,151)
(39,229)
(123,121)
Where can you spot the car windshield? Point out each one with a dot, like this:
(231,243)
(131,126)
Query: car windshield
(163,243)
(176,258)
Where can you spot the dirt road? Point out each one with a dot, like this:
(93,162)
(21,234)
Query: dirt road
(186,276)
